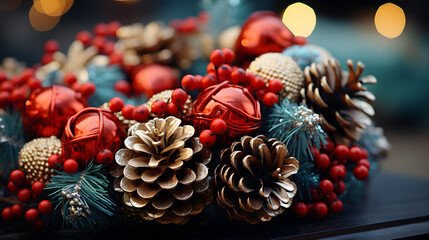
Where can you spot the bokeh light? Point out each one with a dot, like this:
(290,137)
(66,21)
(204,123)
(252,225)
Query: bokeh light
(300,19)
(53,8)
(42,22)
(390,20)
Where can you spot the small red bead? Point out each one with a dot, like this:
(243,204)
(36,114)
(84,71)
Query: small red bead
(275,86)
(123,86)
(330,197)
(100,29)
(258,83)
(189,82)
(17,177)
(328,148)
(179,97)
(18,210)
(336,206)
(141,113)
(98,42)
(45,207)
(270,99)
(249,77)
(6,86)
(218,126)
(85,37)
(341,152)
(104,157)
(24,195)
(217,57)
(112,27)
(70,166)
(315,152)
(55,161)
(364,162)
(261,93)
(13,188)
(52,46)
(116,104)
(360,172)
(4,97)
(355,154)
(32,215)
(38,226)
(326,186)
(320,210)
(315,194)
(27,74)
(47,58)
(88,89)
(224,71)
(108,47)
(207,138)
(127,111)
(209,80)
(38,188)
(34,83)
(299,40)
(238,76)
(115,58)
(19,94)
(17,80)
(172,109)
(3,77)
(70,78)
(159,107)
(199,82)
(340,187)
(364,153)
(337,172)
(7,215)
(211,68)
(229,55)
(300,209)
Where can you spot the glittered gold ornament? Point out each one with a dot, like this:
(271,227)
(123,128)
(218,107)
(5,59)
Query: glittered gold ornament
(278,66)
(33,158)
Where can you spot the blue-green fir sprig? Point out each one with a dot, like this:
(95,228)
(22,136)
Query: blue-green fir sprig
(82,198)
(298,127)
(303,55)
(11,140)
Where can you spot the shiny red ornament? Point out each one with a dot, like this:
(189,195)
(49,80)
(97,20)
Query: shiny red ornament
(47,110)
(88,132)
(232,103)
(153,78)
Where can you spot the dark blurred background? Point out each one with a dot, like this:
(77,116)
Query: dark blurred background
(344,28)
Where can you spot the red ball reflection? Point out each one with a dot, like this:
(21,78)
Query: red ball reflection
(153,78)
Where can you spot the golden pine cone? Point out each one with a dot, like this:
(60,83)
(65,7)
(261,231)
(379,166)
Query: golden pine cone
(279,66)
(252,179)
(33,158)
(339,98)
(166,96)
(165,172)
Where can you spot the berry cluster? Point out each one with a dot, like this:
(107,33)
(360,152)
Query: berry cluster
(86,89)
(333,162)
(28,196)
(129,112)
(18,88)
(190,24)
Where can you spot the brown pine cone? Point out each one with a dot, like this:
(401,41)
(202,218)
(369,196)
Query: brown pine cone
(339,98)
(165,172)
(252,179)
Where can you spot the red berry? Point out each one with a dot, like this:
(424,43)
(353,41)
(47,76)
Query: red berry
(179,97)
(330,197)
(299,40)
(19,94)
(24,195)
(275,85)
(7,214)
(336,206)
(88,89)
(115,58)
(209,80)
(45,207)
(270,99)
(207,138)
(229,55)
(328,148)
(315,194)
(85,37)
(4,97)
(238,76)
(32,215)
(172,109)
(218,126)
(141,113)
(249,77)
(315,152)
(70,166)
(211,68)
(364,153)
(6,86)
(18,210)
(127,111)
(355,154)
(17,80)
(189,82)
(217,57)
(38,226)
(34,83)
(360,172)
(199,82)
(309,209)
(52,46)
(47,58)
(98,42)
(70,78)
(3,77)
(326,186)
(341,152)
(320,210)
(159,107)
(108,47)
(17,177)
(38,188)
(112,27)
(123,86)
(364,162)
(27,74)
(116,104)
(224,71)
(104,156)
(13,188)
(340,187)
(337,172)
(100,29)
(300,209)
(258,83)
(55,161)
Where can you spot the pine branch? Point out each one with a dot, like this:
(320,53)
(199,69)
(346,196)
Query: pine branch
(11,140)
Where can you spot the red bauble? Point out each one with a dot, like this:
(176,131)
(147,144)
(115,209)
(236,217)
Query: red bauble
(88,132)
(153,78)
(233,104)
(47,110)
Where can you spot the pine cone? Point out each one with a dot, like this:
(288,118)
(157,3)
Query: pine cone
(252,179)
(337,95)
(165,172)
